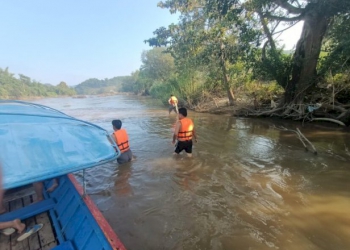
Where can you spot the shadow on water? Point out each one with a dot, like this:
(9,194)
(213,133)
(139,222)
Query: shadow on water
(248,186)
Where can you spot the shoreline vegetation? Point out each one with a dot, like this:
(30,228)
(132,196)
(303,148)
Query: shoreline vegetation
(231,48)
(225,57)
(328,104)
(250,108)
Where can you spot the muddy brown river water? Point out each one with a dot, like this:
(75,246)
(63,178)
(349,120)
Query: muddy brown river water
(248,186)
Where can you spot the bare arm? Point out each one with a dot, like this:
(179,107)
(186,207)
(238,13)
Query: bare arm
(176,132)
(115,139)
(113,136)
(194,135)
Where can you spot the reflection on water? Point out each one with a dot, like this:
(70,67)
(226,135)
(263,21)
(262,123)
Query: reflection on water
(248,186)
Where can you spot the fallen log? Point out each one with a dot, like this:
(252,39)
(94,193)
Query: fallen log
(328,120)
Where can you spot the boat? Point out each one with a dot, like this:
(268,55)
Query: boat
(41,144)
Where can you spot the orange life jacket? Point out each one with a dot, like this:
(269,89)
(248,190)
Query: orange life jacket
(122,140)
(173,100)
(185,132)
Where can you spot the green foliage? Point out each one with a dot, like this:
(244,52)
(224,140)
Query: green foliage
(129,83)
(337,85)
(157,68)
(162,91)
(212,32)
(95,86)
(263,91)
(274,65)
(157,64)
(218,45)
(14,88)
(337,46)
(190,86)
(63,89)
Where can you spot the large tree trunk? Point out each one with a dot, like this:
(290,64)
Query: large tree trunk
(230,95)
(226,80)
(306,56)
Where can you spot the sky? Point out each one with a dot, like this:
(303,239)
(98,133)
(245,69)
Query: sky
(74,40)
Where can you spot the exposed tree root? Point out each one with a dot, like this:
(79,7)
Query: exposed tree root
(329,120)
(319,110)
(338,114)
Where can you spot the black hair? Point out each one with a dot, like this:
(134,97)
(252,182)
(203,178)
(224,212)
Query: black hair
(183,111)
(117,124)
(171,95)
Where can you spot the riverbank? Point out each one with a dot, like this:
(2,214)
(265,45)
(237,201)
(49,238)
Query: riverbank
(340,117)
(220,105)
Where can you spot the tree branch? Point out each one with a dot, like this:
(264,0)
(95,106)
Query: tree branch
(285,19)
(332,107)
(287,6)
(280,31)
(267,31)
(299,5)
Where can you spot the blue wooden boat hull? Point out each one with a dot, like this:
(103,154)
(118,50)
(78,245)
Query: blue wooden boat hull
(39,143)
(76,219)
(77,222)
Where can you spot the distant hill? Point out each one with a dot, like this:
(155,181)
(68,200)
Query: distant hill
(95,86)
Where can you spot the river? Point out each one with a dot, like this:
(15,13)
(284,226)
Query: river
(248,185)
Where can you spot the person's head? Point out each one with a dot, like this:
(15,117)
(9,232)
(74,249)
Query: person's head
(117,124)
(182,112)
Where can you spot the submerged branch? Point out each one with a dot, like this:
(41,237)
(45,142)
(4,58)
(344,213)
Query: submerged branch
(294,131)
(312,146)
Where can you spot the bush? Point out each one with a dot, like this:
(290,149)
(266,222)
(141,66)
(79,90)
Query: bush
(263,92)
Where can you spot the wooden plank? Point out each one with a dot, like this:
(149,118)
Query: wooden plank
(46,234)
(44,239)
(33,240)
(15,245)
(49,246)
(5,241)
(29,211)
(20,193)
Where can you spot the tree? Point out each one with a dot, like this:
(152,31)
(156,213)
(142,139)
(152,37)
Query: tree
(204,35)
(157,64)
(337,46)
(257,20)
(317,16)
(13,88)
(157,67)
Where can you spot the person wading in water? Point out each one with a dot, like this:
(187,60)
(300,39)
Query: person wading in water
(121,138)
(184,132)
(173,104)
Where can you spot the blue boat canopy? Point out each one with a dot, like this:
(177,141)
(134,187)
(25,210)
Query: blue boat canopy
(39,143)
